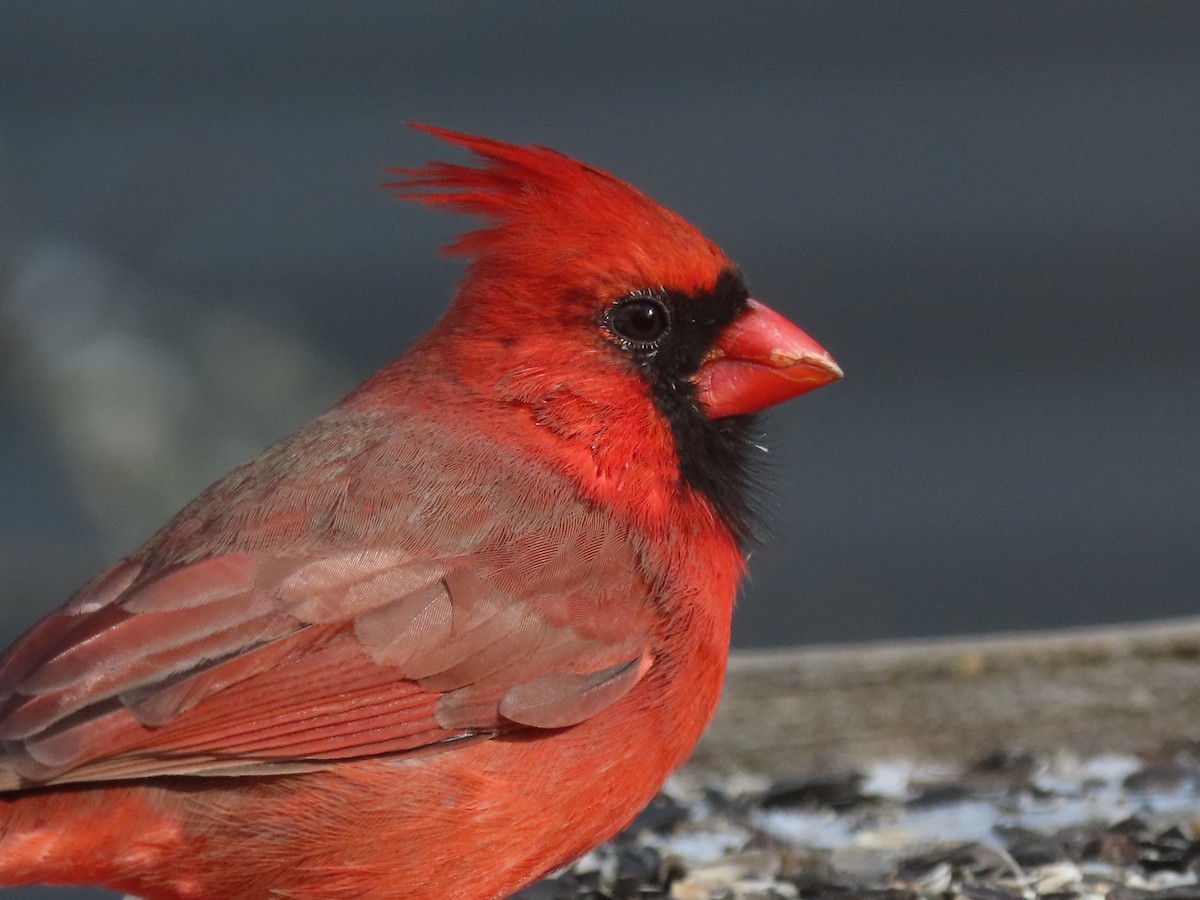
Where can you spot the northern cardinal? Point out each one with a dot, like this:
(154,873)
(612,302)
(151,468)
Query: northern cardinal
(454,632)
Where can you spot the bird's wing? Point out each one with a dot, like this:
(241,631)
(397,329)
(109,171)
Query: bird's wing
(418,617)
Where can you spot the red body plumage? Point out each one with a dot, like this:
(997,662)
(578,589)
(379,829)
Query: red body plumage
(454,632)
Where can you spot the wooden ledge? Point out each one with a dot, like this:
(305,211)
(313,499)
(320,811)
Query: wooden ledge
(1121,689)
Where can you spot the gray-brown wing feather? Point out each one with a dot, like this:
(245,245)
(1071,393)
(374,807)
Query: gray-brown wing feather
(333,598)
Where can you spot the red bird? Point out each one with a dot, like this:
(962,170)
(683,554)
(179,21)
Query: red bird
(454,632)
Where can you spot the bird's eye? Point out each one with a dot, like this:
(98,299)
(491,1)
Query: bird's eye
(639,319)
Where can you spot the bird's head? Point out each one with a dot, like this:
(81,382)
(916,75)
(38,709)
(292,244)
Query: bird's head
(581,284)
(570,245)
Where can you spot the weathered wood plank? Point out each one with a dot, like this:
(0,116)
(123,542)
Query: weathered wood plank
(1113,689)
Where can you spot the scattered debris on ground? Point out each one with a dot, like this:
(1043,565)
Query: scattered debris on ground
(1009,827)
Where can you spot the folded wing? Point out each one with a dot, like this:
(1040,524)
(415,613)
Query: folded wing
(427,616)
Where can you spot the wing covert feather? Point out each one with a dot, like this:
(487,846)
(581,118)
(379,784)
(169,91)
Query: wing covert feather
(271,624)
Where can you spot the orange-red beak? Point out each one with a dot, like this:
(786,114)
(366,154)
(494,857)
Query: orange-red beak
(761,359)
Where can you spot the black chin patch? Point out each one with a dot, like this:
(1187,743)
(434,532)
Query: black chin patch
(713,454)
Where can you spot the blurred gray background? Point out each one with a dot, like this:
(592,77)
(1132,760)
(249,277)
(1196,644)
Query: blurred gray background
(988,212)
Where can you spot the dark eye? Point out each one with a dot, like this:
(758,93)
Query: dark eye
(641,320)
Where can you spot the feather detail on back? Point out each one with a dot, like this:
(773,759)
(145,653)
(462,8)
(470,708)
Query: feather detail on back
(482,613)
